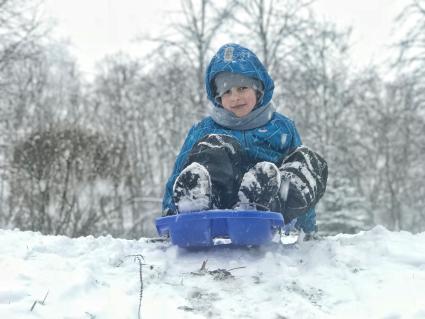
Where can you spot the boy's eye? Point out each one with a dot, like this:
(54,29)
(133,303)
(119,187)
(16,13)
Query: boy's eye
(239,89)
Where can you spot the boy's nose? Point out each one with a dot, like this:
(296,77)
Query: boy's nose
(234,94)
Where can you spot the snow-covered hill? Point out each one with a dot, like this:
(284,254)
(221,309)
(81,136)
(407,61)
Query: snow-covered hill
(374,274)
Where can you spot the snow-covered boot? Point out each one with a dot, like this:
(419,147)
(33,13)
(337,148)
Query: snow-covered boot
(259,186)
(192,189)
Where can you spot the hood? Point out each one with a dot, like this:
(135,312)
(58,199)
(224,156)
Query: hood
(237,59)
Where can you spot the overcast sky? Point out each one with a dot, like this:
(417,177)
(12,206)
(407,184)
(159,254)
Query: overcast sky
(99,27)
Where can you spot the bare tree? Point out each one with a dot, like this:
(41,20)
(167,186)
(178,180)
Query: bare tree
(412,43)
(149,111)
(406,116)
(387,150)
(192,38)
(67,181)
(121,113)
(317,94)
(39,92)
(411,46)
(20,28)
(272,27)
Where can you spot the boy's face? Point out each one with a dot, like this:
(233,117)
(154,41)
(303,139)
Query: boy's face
(239,100)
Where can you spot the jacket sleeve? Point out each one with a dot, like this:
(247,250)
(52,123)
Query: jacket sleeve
(168,207)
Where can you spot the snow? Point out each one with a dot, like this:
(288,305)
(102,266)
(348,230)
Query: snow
(219,142)
(373,274)
(197,197)
(251,183)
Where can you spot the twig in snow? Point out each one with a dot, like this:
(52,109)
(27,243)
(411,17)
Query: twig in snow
(140,260)
(202,271)
(40,302)
(33,305)
(218,274)
(204,264)
(45,297)
(236,268)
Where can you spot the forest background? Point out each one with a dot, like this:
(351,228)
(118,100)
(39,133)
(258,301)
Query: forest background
(83,156)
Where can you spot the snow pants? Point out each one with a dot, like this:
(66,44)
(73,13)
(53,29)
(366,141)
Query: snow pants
(224,159)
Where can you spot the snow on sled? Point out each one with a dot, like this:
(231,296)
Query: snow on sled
(215,227)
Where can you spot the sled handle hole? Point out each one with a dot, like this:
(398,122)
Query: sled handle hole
(221,241)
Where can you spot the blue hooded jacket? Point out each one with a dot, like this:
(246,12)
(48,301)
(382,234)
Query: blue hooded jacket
(271,142)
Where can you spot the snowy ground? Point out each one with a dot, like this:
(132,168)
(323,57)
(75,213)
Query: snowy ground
(374,274)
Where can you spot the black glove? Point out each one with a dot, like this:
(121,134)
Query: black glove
(304,176)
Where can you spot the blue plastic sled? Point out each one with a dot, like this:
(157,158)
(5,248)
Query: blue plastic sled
(213,227)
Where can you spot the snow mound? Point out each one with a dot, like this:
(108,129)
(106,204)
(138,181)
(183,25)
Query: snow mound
(374,274)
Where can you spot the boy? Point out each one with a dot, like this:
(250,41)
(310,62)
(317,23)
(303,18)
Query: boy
(245,154)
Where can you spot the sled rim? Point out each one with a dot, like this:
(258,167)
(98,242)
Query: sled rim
(245,227)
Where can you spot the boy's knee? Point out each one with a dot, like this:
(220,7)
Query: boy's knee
(224,159)
(220,141)
(304,176)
